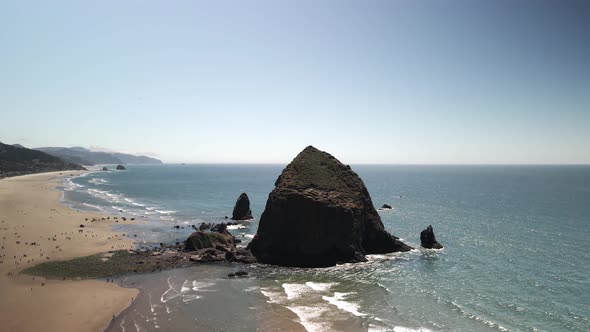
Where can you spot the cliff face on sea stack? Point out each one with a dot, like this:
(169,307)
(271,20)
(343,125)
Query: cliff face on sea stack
(320,214)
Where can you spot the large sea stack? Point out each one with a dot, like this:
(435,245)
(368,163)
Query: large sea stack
(242,208)
(320,214)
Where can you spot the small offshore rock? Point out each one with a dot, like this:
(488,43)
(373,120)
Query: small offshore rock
(428,240)
(242,208)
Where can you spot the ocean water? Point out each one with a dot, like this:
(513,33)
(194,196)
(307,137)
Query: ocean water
(516,252)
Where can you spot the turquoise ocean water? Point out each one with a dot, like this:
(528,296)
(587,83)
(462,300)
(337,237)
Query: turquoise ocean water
(516,252)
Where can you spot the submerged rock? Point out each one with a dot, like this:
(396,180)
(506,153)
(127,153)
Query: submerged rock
(120,168)
(242,208)
(239,273)
(428,240)
(320,214)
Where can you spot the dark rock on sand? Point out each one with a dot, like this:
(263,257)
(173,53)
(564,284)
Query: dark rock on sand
(242,255)
(320,214)
(220,228)
(242,208)
(208,255)
(238,274)
(120,168)
(216,245)
(203,240)
(428,240)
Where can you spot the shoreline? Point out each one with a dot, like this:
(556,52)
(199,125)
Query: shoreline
(35,227)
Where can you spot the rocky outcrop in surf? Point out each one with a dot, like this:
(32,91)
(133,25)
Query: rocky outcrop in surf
(120,168)
(428,240)
(242,208)
(215,246)
(320,214)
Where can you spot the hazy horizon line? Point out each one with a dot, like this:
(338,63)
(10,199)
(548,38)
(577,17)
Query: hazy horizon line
(379,164)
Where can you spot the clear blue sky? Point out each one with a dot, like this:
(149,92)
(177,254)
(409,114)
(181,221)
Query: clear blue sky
(257,81)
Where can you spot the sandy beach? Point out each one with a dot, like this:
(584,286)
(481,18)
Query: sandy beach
(35,228)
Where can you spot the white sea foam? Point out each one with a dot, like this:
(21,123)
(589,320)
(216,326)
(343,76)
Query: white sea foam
(170,293)
(186,298)
(477,318)
(98,181)
(236,227)
(407,329)
(294,291)
(375,328)
(377,257)
(310,318)
(320,286)
(166,211)
(105,195)
(70,185)
(118,208)
(198,286)
(273,297)
(186,286)
(339,301)
(250,236)
(122,324)
(93,206)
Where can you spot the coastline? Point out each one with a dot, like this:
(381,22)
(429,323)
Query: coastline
(36,227)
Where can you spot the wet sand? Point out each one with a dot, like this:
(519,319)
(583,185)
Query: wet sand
(203,298)
(35,228)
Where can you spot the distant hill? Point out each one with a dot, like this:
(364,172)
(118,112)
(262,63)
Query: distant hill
(15,160)
(84,156)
